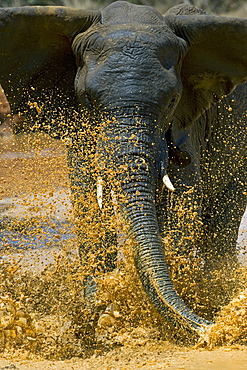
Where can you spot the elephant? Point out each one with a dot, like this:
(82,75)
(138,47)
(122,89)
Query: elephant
(151,107)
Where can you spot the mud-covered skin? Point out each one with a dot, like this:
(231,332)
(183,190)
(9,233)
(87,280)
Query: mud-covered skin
(127,87)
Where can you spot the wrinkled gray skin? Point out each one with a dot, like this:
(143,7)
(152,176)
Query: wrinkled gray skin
(158,76)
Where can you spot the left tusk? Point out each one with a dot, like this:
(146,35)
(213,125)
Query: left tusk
(100,192)
(168,183)
(114,200)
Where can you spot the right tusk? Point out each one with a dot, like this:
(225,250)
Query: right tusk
(100,192)
(167,182)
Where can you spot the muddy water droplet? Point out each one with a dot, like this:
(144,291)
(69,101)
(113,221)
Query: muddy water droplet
(47,314)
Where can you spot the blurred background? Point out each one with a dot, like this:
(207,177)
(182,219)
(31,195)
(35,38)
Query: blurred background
(212,6)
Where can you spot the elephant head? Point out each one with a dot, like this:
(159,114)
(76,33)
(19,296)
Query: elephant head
(139,71)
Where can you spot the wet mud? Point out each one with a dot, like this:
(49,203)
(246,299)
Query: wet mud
(44,320)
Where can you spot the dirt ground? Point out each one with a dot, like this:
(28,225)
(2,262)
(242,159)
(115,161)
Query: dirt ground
(146,357)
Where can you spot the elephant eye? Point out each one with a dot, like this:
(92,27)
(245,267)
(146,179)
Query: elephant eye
(94,44)
(83,46)
(87,101)
(172,105)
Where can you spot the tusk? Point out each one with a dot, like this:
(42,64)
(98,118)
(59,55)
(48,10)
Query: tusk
(168,183)
(114,200)
(100,192)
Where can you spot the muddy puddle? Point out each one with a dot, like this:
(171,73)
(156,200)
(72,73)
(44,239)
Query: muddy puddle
(44,322)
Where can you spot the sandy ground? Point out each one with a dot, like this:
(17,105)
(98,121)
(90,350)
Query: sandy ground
(146,357)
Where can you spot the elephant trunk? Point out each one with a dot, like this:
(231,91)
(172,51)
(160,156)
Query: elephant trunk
(133,152)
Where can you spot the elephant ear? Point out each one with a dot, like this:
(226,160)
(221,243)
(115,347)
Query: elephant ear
(37,66)
(215,62)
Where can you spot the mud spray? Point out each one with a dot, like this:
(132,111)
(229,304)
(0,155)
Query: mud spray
(42,307)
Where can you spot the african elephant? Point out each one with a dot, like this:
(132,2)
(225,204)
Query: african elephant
(146,94)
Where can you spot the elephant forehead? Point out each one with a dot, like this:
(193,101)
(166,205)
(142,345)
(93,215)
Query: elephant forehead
(127,38)
(144,33)
(147,38)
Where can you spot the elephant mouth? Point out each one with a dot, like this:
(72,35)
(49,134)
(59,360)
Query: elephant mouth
(100,190)
(132,136)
